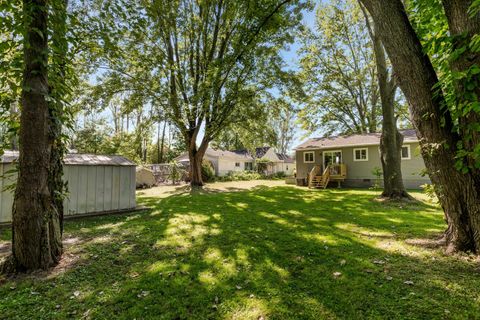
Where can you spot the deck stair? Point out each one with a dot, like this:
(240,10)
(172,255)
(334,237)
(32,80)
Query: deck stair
(317,180)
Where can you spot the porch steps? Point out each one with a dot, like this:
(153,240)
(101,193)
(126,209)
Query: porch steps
(319,182)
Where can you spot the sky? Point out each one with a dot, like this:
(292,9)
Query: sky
(292,59)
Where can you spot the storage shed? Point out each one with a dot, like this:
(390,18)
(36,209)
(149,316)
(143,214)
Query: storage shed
(96,184)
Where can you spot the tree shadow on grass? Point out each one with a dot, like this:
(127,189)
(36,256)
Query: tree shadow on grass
(267,252)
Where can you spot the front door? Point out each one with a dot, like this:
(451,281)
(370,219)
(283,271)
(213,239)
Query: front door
(331,157)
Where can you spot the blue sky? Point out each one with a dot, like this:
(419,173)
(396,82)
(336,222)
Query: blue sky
(292,59)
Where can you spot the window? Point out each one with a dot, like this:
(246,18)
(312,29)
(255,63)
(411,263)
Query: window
(237,164)
(406,152)
(309,157)
(360,154)
(249,166)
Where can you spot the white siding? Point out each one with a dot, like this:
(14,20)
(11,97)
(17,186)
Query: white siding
(91,189)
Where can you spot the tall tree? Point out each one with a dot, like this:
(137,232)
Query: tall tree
(391,139)
(35,223)
(449,136)
(204,59)
(339,72)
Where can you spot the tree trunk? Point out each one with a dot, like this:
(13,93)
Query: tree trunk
(36,241)
(163,142)
(391,139)
(56,111)
(458,193)
(196,157)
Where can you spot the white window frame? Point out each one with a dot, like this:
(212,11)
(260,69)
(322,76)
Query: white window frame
(409,152)
(313,156)
(331,151)
(355,153)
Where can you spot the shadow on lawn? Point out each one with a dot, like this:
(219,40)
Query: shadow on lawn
(268,252)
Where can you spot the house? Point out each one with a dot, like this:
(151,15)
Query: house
(96,184)
(274,162)
(224,161)
(352,160)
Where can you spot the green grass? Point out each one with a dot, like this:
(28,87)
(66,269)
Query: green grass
(268,252)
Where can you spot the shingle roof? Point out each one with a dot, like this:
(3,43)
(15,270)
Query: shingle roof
(352,140)
(79,159)
(285,157)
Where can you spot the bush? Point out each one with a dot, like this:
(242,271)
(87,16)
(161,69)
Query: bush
(275,176)
(429,190)
(208,173)
(240,176)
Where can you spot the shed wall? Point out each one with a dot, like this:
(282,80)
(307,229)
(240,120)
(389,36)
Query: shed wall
(91,189)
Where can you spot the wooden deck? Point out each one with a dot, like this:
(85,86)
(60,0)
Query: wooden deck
(334,172)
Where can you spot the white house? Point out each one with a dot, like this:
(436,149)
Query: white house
(224,161)
(277,162)
(241,160)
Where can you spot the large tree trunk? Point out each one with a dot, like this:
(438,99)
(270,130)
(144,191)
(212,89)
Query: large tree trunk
(458,193)
(196,157)
(391,139)
(36,242)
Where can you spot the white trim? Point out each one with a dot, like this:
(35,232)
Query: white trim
(360,149)
(313,156)
(331,151)
(409,152)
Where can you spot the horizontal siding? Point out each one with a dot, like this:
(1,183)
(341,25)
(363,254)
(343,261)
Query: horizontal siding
(357,171)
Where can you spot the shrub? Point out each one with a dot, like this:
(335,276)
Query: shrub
(208,173)
(240,176)
(377,172)
(175,172)
(429,190)
(275,176)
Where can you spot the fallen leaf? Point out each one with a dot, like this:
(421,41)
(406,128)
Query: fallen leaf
(343,262)
(238,287)
(337,274)
(410,283)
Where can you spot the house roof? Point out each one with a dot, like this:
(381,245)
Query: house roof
(79,159)
(285,157)
(352,140)
(219,153)
(261,151)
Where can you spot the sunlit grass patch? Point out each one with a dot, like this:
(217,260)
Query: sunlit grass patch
(271,253)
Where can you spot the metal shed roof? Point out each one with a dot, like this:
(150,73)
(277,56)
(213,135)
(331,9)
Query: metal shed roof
(81,159)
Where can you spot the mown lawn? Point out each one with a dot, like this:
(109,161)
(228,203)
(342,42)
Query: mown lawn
(267,253)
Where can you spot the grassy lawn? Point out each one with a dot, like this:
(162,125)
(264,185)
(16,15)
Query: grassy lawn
(265,253)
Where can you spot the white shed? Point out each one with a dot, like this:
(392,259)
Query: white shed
(96,184)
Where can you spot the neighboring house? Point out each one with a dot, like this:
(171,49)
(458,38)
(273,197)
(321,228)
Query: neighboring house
(277,162)
(96,184)
(353,159)
(225,162)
